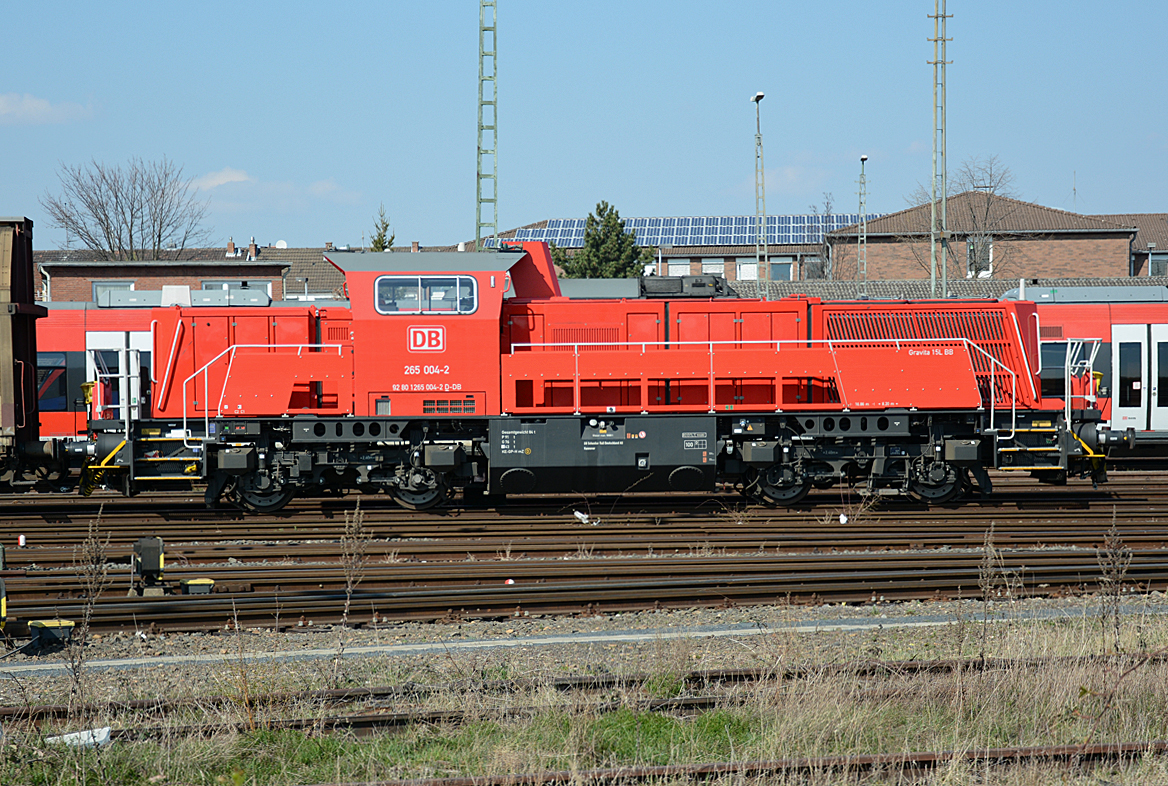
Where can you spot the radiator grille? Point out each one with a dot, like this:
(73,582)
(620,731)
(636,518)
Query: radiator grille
(448,406)
(986,329)
(587,335)
(337,333)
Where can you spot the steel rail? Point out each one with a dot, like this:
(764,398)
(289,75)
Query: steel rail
(845,763)
(610,587)
(581,683)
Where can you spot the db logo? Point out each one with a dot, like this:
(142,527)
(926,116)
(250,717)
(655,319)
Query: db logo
(427,339)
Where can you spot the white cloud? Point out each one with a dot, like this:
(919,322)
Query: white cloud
(27,110)
(222,177)
(334,192)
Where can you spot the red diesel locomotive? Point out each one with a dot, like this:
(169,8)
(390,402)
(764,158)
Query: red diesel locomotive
(471,372)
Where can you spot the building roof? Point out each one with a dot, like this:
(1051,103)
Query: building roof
(973,211)
(156,263)
(918,289)
(1151,228)
(706,231)
(58,255)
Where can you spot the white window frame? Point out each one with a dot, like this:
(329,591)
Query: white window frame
(461,281)
(110,285)
(1157,256)
(790,262)
(970,243)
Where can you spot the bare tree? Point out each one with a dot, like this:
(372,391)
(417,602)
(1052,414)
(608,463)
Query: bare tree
(980,208)
(144,210)
(821,267)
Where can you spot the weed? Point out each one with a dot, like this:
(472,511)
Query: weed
(665,685)
(630,736)
(93,571)
(355,542)
(354,554)
(851,511)
(1114,560)
(241,670)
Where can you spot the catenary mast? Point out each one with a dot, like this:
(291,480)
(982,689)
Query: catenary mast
(487,205)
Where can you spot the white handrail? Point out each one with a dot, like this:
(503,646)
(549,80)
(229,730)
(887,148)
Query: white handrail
(1025,359)
(206,380)
(969,344)
(153,324)
(1037,337)
(178,328)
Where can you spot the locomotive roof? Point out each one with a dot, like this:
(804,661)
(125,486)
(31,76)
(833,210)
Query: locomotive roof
(423,262)
(1120,294)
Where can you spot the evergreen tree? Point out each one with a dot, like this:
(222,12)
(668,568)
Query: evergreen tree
(608,252)
(382,238)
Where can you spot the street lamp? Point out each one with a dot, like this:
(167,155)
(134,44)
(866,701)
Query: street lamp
(862,234)
(760,249)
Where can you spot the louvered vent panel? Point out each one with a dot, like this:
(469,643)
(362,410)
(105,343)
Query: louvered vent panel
(986,329)
(598,336)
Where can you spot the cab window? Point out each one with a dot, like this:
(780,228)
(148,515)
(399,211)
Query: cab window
(52,389)
(426,295)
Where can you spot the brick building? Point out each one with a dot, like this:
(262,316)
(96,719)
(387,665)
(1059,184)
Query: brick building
(995,237)
(82,276)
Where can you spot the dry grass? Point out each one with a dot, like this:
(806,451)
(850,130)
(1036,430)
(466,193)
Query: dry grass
(827,712)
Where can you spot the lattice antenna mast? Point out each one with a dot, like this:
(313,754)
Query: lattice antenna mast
(762,264)
(862,239)
(487,205)
(939,225)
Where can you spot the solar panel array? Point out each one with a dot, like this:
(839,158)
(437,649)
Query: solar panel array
(701,230)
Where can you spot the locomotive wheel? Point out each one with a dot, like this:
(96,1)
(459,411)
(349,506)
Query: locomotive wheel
(265,502)
(426,489)
(942,483)
(422,499)
(779,485)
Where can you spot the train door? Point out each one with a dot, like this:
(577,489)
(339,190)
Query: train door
(1158,398)
(118,365)
(1139,371)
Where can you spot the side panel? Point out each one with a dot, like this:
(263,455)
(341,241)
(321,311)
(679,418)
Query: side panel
(613,454)
(400,355)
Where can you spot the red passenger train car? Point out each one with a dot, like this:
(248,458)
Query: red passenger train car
(1122,333)
(471,372)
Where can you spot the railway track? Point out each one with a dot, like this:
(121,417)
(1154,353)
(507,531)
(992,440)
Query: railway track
(64,516)
(394,708)
(1057,519)
(449,591)
(809,768)
(639,553)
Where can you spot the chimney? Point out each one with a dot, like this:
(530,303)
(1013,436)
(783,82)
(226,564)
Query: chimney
(230,247)
(414,247)
(251,250)
(328,246)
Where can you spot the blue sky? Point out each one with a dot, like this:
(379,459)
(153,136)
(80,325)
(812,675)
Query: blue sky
(298,119)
